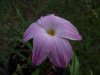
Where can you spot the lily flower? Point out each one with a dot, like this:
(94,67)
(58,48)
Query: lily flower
(50,36)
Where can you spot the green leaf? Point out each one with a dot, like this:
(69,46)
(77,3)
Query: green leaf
(74,67)
(91,72)
(20,16)
(35,72)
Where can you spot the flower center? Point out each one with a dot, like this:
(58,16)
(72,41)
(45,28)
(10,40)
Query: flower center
(51,32)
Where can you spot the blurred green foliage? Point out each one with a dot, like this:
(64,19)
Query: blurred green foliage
(17,15)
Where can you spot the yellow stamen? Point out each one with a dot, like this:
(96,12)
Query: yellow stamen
(51,32)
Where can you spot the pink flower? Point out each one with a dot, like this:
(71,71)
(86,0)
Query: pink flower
(50,36)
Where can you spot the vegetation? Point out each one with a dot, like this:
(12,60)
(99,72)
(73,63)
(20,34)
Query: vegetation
(17,15)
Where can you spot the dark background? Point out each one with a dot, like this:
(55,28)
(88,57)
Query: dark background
(17,15)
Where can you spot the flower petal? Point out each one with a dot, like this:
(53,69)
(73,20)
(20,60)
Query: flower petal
(46,22)
(61,52)
(65,29)
(41,49)
(32,31)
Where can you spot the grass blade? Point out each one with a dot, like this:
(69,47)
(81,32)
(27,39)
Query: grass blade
(74,67)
